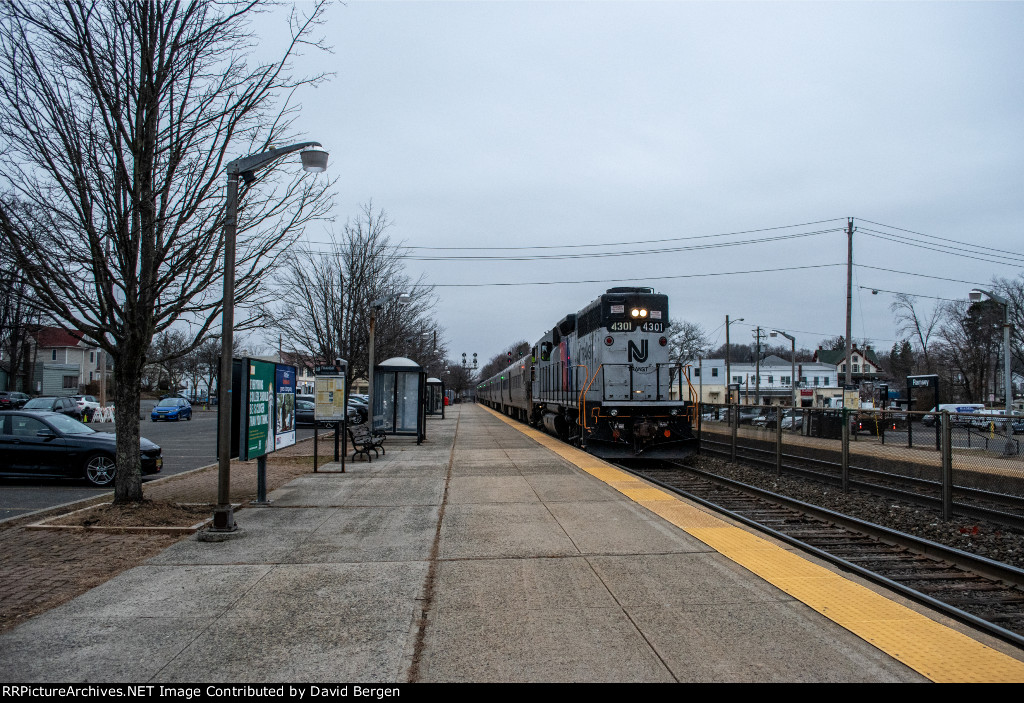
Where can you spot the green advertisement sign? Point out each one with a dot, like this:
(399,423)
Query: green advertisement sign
(259,429)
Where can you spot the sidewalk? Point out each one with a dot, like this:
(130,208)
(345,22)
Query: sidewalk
(39,570)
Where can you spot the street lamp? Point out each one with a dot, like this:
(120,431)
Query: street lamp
(728,360)
(1009,449)
(792,378)
(403,298)
(313,160)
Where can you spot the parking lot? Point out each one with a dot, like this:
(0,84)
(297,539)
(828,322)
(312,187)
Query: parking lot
(186,445)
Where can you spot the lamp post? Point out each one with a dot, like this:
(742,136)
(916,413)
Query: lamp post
(313,160)
(1009,449)
(728,357)
(792,378)
(403,298)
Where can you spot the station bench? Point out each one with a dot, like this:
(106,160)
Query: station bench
(363,441)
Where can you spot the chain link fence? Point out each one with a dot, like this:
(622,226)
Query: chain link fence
(969,463)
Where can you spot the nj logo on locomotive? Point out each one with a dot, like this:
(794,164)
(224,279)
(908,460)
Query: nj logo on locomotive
(637,354)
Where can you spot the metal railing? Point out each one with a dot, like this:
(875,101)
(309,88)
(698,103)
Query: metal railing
(967,464)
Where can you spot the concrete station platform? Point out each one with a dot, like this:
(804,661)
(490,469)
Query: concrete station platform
(490,553)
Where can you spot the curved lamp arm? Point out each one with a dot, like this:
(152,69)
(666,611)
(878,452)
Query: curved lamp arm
(254,162)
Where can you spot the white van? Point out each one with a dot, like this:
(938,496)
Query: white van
(957,410)
(994,418)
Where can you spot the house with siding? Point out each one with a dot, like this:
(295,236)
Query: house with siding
(864,363)
(63,361)
(816,381)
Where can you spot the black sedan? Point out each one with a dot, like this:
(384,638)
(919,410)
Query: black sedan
(58,404)
(12,400)
(48,444)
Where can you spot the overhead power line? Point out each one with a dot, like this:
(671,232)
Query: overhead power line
(634,279)
(608,244)
(1016,259)
(943,239)
(606,254)
(920,275)
(911,295)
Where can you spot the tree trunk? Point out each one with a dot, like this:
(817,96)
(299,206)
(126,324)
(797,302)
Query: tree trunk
(127,384)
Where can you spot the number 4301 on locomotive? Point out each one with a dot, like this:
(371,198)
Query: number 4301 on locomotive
(601,379)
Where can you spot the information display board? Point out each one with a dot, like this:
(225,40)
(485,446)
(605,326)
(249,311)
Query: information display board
(284,405)
(331,405)
(259,404)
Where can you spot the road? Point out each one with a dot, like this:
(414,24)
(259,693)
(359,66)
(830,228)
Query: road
(186,445)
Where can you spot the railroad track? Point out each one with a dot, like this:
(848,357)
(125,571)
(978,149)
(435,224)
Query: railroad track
(972,502)
(975,590)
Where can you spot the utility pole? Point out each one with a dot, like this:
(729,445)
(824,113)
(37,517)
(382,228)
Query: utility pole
(728,369)
(757,372)
(728,377)
(849,301)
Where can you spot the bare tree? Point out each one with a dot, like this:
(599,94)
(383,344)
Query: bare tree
(500,361)
(167,352)
(325,299)
(969,337)
(687,342)
(1013,290)
(117,119)
(458,379)
(19,314)
(916,324)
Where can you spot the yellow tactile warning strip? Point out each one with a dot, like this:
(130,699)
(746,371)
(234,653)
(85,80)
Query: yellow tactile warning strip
(930,648)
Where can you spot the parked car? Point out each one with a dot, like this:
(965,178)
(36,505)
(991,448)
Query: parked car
(34,443)
(767,418)
(88,405)
(172,408)
(747,414)
(793,420)
(63,404)
(12,400)
(305,414)
(996,418)
(958,412)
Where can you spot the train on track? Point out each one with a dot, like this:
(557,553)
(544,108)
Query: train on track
(602,379)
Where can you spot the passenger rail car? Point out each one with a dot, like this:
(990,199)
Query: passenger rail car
(601,378)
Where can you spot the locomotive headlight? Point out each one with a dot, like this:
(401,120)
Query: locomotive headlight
(635,312)
(643,313)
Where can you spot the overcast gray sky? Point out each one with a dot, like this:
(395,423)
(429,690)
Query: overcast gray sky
(539,124)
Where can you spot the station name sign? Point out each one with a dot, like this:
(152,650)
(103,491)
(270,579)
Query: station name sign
(922,381)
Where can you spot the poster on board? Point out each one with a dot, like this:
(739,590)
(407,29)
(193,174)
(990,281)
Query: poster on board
(330,398)
(259,409)
(284,411)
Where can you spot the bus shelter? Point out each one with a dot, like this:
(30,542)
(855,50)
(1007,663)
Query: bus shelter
(435,397)
(399,398)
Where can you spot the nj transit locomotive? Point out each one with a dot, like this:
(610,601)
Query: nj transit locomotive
(601,378)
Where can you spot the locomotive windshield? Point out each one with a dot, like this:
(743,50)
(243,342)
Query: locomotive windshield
(646,312)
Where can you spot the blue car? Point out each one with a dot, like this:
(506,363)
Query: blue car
(172,409)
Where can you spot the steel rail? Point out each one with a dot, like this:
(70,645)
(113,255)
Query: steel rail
(965,509)
(980,565)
